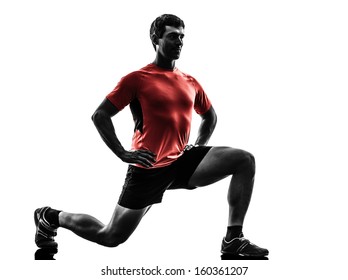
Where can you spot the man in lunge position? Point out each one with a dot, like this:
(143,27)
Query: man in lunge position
(162,100)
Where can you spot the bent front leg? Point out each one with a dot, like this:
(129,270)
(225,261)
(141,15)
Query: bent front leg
(221,162)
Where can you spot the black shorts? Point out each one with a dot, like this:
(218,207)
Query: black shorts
(144,187)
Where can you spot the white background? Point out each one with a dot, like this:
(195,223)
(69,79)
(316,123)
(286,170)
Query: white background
(276,72)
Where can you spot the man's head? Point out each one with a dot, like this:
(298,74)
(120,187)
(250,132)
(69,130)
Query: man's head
(158,26)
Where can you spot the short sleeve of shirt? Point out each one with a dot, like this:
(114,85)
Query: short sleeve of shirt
(202,103)
(124,92)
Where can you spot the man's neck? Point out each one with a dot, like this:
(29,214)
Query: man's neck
(163,63)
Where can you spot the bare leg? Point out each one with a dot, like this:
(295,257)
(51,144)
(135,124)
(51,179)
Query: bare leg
(122,224)
(221,162)
(217,164)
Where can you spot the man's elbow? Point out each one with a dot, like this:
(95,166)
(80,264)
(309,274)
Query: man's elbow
(94,116)
(213,123)
(98,116)
(212,117)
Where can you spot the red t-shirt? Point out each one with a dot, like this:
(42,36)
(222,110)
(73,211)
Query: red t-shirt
(161,102)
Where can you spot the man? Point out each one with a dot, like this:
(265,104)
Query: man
(161,99)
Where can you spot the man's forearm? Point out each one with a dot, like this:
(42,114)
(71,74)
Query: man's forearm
(206,129)
(106,129)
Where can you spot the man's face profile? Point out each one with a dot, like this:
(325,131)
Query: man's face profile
(170,44)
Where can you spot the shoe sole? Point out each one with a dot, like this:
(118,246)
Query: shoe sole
(45,254)
(244,255)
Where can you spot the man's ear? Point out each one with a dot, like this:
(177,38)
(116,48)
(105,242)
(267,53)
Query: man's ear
(154,39)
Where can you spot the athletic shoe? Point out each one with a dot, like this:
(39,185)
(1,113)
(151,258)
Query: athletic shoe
(241,246)
(45,232)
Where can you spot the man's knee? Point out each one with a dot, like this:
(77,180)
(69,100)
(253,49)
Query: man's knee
(110,239)
(113,242)
(247,162)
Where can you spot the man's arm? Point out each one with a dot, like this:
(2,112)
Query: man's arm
(207,127)
(102,120)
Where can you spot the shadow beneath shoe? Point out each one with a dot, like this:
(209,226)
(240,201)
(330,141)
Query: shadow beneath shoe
(234,257)
(45,253)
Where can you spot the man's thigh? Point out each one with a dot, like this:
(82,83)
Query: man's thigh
(218,163)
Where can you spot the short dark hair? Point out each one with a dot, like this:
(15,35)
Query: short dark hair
(158,26)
